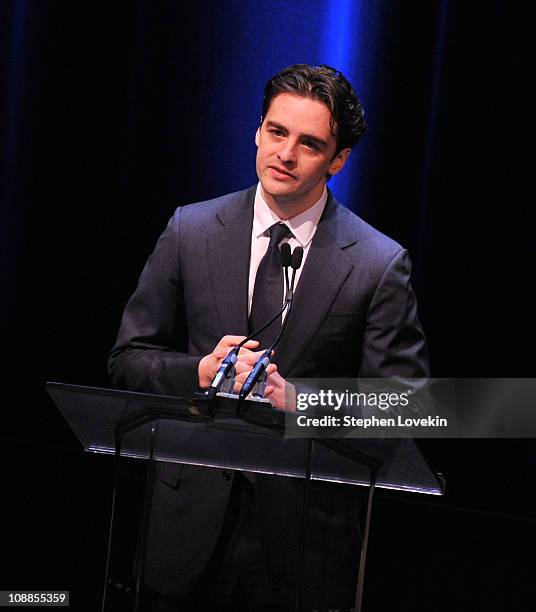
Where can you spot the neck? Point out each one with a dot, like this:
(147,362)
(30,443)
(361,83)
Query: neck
(286,209)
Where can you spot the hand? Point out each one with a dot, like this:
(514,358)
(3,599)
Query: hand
(240,379)
(210,364)
(280,392)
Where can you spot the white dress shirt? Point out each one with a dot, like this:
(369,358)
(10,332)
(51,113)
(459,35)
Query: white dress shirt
(302,226)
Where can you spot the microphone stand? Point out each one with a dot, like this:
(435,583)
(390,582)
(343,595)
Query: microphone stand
(223,381)
(256,381)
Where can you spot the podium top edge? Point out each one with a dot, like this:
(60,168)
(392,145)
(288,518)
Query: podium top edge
(120,393)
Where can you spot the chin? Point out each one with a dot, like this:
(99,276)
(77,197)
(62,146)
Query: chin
(281,196)
(275,188)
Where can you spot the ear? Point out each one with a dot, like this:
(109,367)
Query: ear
(257,136)
(338,162)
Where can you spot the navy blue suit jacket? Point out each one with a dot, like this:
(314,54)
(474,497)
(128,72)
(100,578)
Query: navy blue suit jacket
(354,315)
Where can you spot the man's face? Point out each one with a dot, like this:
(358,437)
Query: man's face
(295,149)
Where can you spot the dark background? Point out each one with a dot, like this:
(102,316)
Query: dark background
(112,114)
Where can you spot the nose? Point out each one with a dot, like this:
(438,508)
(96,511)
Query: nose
(287,153)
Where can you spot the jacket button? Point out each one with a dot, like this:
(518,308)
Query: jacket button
(226,475)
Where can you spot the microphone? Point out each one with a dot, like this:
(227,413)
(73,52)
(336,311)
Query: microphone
(260,367)
(297,258)
(295,263)
(286,260)
(226,365)
(286,256)
(232,356)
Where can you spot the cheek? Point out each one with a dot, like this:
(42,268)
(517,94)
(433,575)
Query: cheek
(314,172)
(263,151)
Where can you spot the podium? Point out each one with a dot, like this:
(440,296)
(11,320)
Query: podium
(228,435)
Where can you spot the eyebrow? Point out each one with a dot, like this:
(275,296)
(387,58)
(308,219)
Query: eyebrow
(319,141)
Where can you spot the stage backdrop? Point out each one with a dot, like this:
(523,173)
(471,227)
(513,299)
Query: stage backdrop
(114,113)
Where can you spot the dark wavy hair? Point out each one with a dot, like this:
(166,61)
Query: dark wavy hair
(329,86)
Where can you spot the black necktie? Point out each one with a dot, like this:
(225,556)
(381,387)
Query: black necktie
(268,291)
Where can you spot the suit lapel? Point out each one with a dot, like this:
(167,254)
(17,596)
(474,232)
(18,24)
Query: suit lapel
(324,272)
(229,249)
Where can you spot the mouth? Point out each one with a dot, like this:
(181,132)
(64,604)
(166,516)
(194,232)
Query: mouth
(280,173)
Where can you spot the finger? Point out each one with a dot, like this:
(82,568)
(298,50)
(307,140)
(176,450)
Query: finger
(271,369)
(239,383)
(242,367)
(241,378)
(230,341)
(249,359)
(220,353)
(248,350)
(268,391)
(250,356)
(262,350)
(223,347)
(251,344)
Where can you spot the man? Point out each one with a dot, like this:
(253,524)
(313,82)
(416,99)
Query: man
(354,314)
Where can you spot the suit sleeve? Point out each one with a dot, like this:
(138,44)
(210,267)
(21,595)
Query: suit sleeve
(394,344)
(150,353)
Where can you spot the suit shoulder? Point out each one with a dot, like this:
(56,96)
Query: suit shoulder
(206,211)
(365,236)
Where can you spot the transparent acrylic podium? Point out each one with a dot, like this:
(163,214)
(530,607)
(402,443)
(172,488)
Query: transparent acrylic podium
(222,434)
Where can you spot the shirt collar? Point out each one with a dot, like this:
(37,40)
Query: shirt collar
(303,226)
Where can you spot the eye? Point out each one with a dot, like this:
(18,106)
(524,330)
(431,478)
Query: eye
(276,132)
(311,144)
